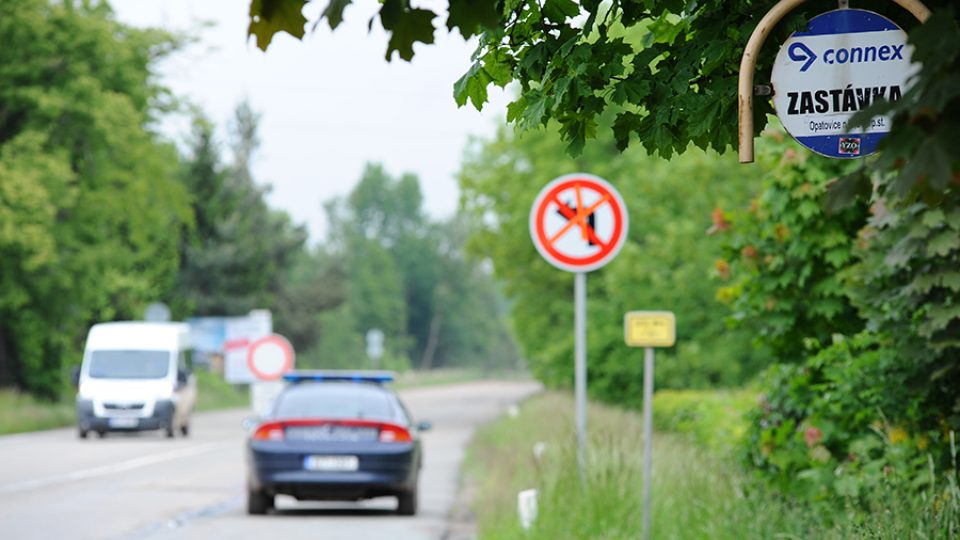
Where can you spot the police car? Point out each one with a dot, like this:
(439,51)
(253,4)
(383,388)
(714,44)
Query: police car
(335,436)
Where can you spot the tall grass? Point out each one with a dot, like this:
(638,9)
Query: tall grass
(214,393)
(696,494)
(22,412)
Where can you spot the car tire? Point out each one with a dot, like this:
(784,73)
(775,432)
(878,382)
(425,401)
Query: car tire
(258,502)
(185,430)
(170,431)
(102,434)
(407,502)
(82,433)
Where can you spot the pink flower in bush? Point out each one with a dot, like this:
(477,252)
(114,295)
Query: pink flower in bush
(812,436)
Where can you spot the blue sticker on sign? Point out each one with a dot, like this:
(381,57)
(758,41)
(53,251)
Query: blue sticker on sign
(843,63)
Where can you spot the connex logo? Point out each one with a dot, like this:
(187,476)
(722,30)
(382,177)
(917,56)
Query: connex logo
(799,52)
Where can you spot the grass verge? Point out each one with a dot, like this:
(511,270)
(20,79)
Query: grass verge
(436,377)
(696,494)
(22,412)
(214,393)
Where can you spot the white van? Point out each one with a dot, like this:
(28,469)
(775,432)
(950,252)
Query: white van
(135,376)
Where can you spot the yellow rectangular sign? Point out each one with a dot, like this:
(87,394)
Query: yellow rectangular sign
(650,328)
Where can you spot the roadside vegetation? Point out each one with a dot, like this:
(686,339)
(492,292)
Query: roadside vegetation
(21,412)
(699,490)
(840,309)
(214,393)
(101,215)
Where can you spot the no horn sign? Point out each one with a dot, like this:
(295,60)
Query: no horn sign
(845,61)
(578,222)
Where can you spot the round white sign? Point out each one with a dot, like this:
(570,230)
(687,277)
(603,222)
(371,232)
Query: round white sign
(270,357)
(845,61)
(578,222)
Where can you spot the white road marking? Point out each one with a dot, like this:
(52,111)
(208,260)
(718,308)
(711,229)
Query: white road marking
(115,468)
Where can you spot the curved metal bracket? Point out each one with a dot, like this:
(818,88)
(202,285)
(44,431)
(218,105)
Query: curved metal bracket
(748,63)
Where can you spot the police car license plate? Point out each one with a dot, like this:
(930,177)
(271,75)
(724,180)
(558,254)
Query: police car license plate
(331,463)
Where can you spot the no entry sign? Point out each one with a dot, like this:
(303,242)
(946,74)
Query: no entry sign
(845,61)
(270,357)
(578,222)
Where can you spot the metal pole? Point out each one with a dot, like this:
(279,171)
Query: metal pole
(580,368)
(647,437)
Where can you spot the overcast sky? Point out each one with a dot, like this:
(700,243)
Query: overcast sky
(329,104)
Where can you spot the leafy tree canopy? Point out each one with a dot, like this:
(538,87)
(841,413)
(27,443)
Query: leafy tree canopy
(667,67)
(666,262)
(90,206)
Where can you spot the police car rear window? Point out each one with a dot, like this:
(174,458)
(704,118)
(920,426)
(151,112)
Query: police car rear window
(334,400)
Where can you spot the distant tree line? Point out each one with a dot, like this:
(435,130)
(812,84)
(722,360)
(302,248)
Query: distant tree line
(101,215)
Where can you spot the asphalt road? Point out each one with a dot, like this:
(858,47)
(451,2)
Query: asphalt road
(54,485)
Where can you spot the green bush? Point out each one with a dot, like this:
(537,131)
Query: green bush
(697,493)
(20,412)
(215,393)
(714,419)
(846,423)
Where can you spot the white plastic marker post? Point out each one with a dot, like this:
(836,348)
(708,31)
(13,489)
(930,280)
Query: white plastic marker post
(268,359)
(374,340)
(579,223)
(648,329)
(527,508)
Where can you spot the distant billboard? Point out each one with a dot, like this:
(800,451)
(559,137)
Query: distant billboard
(229,338)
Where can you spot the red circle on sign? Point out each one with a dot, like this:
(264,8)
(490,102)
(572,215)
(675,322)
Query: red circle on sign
(607,196)
(285,347)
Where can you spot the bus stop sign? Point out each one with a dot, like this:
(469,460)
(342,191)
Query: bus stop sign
(844,61)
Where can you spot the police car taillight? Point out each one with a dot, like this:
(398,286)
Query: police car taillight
(392,433)
(272,431)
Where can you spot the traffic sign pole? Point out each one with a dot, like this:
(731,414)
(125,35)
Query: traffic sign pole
(648,329)
(579,223)
(580,368)
(647,437)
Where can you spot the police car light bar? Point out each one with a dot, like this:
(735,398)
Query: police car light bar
(377,377)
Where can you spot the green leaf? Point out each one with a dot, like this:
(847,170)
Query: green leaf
(498,66)
(634,89)
(625,124)
(334,12)
(576,130)
(933,219)
(268,17)
(944,243)
(472,86)
(902,252)
(842,193)
(938,318)
(559,10)
(535,111)
(470,15)
(953,219)
(515,109)
(930,165)
(406,27)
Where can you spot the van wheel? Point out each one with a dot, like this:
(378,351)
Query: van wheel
(185,430)
(258,502)
(101,434)
(170,432)
(82,433)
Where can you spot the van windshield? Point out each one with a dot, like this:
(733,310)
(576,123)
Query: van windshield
(129,364)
